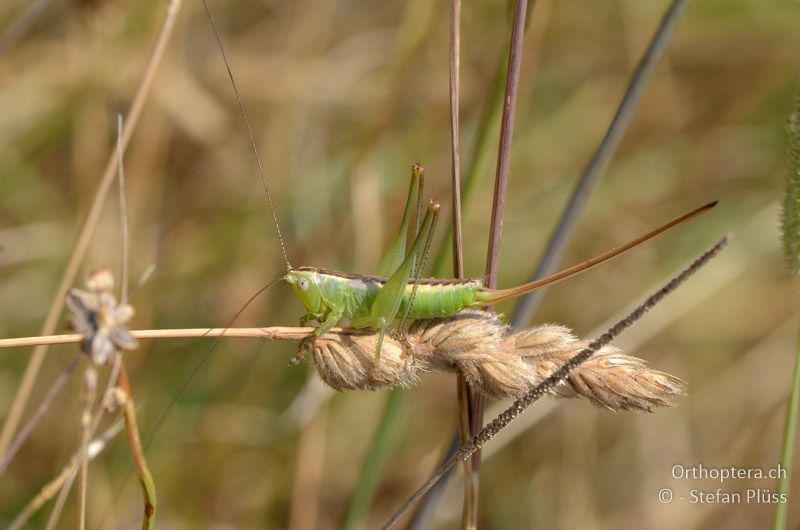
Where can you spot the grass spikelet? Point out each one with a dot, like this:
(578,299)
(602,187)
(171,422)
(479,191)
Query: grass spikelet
(790,222)
(347,362)
(790,232)
(608,379)
(492,358)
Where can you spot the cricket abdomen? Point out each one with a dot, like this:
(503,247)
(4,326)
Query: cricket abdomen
(440,299)
(352,295)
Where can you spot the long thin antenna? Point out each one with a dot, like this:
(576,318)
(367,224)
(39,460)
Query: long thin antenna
(26,429)
(154,431)
(249,135)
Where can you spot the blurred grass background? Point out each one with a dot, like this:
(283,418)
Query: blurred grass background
(343,97)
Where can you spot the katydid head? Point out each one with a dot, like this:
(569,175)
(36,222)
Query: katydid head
(305,285)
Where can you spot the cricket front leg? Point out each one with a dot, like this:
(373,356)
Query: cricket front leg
(308,317)
(327,324)
(331,320)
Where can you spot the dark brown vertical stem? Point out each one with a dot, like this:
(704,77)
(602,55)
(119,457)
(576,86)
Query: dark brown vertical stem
(455,96)
(506,132)
(470,504)
(501,184)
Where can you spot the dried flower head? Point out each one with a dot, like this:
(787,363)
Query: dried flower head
(99,318)
(347,362)
(493,358)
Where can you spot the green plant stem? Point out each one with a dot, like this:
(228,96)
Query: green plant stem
(142,470)
(368,478)
(789,437)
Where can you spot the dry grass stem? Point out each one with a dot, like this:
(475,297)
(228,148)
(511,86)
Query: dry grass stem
(476,399)
(61,500)
(44,405)
(49,490)
(88,396)
(268,333)
(477,345)
(82,244)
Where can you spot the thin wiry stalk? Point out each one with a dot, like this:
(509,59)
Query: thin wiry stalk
(455,133)
(268,333)
(89,392)
(123,213)
(480,152)
(466,410)
(65,479)
(58,506)
(599,162)
(49,490)
(87,452)
(469,503)
(478,400)
(519,406)
(27,428)
(504,149)
(82,243)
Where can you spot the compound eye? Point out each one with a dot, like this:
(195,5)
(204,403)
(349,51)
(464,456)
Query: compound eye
(303,284)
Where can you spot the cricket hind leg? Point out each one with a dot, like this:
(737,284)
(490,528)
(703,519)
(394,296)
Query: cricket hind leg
(396,257)
(426,249)
(396,252)
(387,303)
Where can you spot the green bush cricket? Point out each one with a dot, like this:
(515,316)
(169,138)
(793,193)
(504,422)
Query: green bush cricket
(375,302)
